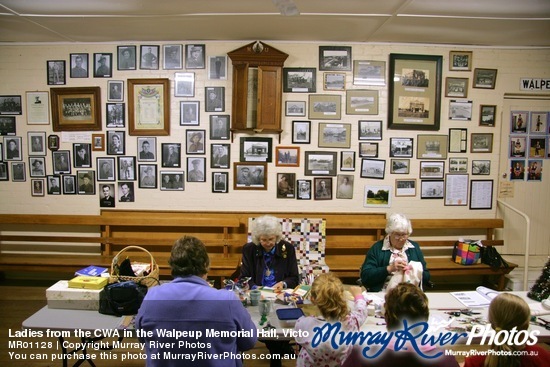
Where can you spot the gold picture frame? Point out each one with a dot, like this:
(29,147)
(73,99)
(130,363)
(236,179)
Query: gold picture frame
(67,111)
(149,107)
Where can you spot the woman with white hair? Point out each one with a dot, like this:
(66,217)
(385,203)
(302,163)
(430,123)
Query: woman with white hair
(392,254)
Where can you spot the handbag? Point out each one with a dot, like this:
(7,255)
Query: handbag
(467,252)
(123,298)
(491,257)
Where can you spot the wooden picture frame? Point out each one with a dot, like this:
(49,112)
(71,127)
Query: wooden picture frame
(334,81)
(325,107)
(299,80)
(149,57)
(370,129)
(98,142)
(249,176)
(333,135)
(377,196)
(220,182)
(405,187)
(287,156)
(65,117)
(431,189)
(320,163)
(149,107)
(369,72)
(481,143)
(184,84)
(460,60)
(295,108)
(432,170)
(301,132)
(481,194)
(400,166)
(484,78)
(414,101)
(456,87)
(401,147)
(456,189)
(373,168)
(361,102)
(368,149)
(37,107)
(189,113)
(431,146)
(347,160)
(256,149)
(335,58)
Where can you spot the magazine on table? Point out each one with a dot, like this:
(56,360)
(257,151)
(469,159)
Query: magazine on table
(481,297)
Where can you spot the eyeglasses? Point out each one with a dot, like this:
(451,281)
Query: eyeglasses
(402,236)
(268,239)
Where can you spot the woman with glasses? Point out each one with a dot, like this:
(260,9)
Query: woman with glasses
(391,255)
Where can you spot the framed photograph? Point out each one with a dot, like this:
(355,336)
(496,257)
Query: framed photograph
(79,65)
(368,149)
(456,189)
(334,81)
(149,107)
(344,186)
(481,143)
(147,176)
(517,170)
(401,147)
(10,105)
(7,125)
(539,123)
(400,166)
(256,149)
(432,170)
(82,154)
(370,130)
(103,65)
(147,149)
(127,168)
(98,142)
(301,132)
(534,170)
(38,112)
(335,58)
(172,180)
(285,185)
(105,168)
(373,168)
(460,60)
(485,78)
(460,110)
(368,72)
(184,84)
(405,187)
(458,139)
(126,59)
(53,142)
(69,185)
(189,113)
(195,141)
(304,189)
(332,135)
(519,121)
(458,165)
(172,56)
(287,156)
(481,194)
(76,109)
(37,166)
(36,141)
(126,192)
(116,90)
(537,147)
(431,189)
(481,167)
(115,115)
(325,107)
(37,187)
(377,196)
(56,72)
(217,67)
(220,155)
(13,148)
(4,171)
(149,57)
(299,80)
(347,160)
(106,196)
(323,188)
(194,56)
(361,102)
(295,108)
(432,146)
(320,163)
(456,87)
(219,127)
(171,155)
(249,176)
(220,182)
(116,141)
(18,173)
(215,99)
(86,182)
(414,101)
(54,185)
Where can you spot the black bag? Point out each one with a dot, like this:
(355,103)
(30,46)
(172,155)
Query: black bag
(123,298)
(491,257)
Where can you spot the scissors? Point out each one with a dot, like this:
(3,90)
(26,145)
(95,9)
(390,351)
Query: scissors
(463,312)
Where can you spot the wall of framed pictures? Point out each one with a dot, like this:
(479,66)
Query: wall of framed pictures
(157,121)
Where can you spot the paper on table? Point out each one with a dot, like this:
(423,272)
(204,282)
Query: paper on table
(481,297)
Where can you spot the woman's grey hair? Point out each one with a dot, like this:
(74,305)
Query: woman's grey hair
(266,225)
(189,257)
(398,222)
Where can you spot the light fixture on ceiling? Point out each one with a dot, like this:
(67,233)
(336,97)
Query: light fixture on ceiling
(286,7)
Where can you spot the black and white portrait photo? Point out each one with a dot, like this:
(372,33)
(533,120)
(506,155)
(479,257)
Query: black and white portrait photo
(103,65)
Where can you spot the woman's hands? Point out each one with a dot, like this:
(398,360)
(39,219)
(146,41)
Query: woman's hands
(398,265)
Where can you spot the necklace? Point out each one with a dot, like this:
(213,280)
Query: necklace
(267,260)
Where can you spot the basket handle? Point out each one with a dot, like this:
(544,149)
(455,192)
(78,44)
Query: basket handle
(115,259)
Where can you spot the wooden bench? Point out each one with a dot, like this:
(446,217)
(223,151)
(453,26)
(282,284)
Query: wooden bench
(66,243)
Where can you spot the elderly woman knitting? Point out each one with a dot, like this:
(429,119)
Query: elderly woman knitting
(391,255)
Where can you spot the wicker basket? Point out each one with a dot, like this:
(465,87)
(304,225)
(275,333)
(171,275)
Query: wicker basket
(150,280)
